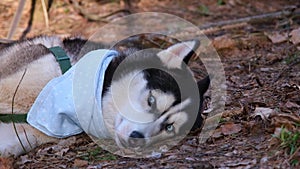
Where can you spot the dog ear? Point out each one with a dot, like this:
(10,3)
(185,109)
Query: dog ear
(203,85)
(173,56)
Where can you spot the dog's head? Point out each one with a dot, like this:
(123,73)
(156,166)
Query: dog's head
(153,96)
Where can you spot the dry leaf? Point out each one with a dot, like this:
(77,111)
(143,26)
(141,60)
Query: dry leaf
(246,163)
(224,42)
(263,112)
(277,37)
(80,163)
(289,121)
(291,105)
(62,152)
(277,131)
(230,128)
(67,142)
(295,36)
(25,159)
(232,113)
(6,163)
(217,133)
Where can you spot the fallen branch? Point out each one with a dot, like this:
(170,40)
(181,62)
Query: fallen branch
(45,11)
(96,17)
(253,19)
(6,41)
(241,22)
(16,19)
(29,24)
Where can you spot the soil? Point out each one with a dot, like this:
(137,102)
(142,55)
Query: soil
(260,125)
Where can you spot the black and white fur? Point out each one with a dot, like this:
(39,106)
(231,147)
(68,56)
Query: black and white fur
(170,114)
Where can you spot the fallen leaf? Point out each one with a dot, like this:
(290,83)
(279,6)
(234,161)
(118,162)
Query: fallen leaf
(289,121)
(232,112)
(190,159)
(80,163)
(247,163)
(62,152)
(262,112)
(6,163)
(277,37)
(295,36)
(224,42)
(264,160)
(217,133)
(67,142)
(25,159)
(277,131)
(230,128)
(291,105)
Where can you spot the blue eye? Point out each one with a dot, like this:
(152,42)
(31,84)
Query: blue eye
(169,127)
(151,101)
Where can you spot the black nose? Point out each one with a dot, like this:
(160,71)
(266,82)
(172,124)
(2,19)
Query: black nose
(136,134)
(136,139)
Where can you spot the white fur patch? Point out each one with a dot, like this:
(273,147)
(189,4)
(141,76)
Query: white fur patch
(127,103)
(10,144)
(174,55)
(38,74)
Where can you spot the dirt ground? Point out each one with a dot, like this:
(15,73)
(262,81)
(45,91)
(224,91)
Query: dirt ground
(260,127)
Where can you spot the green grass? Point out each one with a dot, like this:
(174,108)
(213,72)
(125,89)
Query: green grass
(292,58)
(295,162)
(221,2)
(291,142)
(204,9)
(97,154)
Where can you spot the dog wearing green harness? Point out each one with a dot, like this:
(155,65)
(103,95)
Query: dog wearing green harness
(25,68)
(145,96)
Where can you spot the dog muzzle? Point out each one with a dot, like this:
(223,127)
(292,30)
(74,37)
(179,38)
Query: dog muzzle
(71,103)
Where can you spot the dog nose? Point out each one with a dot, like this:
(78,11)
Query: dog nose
(136,134)
(136,139)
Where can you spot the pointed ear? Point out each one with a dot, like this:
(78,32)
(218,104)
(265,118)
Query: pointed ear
(175,54)
(203,85)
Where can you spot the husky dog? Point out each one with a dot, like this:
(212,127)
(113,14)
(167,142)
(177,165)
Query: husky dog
(29,65)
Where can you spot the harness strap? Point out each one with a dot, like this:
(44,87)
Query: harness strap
(64,63)
(61,57)
(17,118)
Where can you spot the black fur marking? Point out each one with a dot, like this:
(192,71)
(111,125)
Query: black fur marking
(192,52)
(163,79)
(77,47)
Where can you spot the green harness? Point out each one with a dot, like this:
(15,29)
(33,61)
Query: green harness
(64,62)
(62,58)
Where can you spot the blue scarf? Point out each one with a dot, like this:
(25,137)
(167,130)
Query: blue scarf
(71,103)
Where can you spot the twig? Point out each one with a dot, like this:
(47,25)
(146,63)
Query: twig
(12,109)
(29,25)
(45,13)
(16,19)
(6,41)
(249,19)
(294,154)
(241,22)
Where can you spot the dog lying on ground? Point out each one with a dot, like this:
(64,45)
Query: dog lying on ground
(27,66)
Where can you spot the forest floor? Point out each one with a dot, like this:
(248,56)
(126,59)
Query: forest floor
(260,127)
